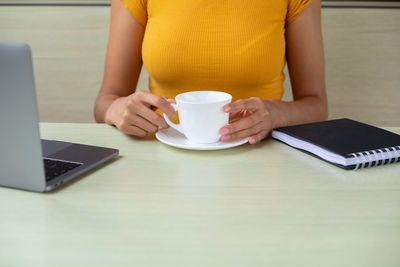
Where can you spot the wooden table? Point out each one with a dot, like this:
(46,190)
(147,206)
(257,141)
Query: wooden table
(261,205)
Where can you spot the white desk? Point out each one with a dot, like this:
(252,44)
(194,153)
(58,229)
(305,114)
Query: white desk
(262,205)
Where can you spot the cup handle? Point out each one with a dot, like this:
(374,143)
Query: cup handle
(178,126)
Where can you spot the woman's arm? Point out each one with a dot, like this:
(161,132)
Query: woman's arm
(305,58)
(118,103)
(123,59)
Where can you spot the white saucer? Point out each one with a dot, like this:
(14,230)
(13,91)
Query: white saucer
(174,138)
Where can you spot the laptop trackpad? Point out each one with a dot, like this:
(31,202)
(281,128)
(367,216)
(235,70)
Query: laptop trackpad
(50,146)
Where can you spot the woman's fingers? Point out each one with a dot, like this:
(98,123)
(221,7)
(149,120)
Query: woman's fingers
(254,120)
(137,115)
(239,115)
(243,133)
(132,130)
(135,125)
(242,124)
(148,114)
(251,104)
(142,123)
(235,116)
(144,104)
(171,101)
(258,137)
(156,101)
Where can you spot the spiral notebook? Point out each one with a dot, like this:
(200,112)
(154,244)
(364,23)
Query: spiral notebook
(345,143)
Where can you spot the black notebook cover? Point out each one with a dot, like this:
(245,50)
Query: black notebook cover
(344,137)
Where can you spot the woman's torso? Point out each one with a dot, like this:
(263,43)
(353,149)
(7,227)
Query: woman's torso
(234,46)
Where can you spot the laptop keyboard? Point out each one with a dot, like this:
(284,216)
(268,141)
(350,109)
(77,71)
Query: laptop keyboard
(54,168)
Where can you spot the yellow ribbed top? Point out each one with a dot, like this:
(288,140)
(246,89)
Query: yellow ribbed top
(234,46)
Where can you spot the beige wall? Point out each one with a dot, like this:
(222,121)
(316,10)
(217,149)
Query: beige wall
(68,43)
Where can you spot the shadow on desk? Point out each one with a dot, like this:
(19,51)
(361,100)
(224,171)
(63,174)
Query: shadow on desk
(311,162)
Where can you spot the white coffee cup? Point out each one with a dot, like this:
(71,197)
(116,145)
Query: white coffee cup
(200,115)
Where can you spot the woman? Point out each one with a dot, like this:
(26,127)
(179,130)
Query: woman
(239,47)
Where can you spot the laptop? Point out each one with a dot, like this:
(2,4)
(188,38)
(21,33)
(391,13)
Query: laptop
(26,161)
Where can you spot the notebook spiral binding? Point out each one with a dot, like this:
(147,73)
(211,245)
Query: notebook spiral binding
(371,158)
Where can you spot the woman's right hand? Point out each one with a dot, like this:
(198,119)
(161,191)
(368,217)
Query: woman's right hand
(135,114)
(117,102)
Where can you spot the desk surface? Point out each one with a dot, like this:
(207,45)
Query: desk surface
(262,205)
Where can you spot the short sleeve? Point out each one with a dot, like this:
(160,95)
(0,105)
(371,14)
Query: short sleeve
(138,9)
(294,9)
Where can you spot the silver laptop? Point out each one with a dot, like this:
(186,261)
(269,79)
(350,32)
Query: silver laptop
(26,161)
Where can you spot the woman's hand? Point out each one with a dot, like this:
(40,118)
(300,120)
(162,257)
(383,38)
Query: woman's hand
(135,114)
(255,120)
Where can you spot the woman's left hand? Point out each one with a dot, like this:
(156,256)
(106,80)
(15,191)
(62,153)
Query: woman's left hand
(255,120)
